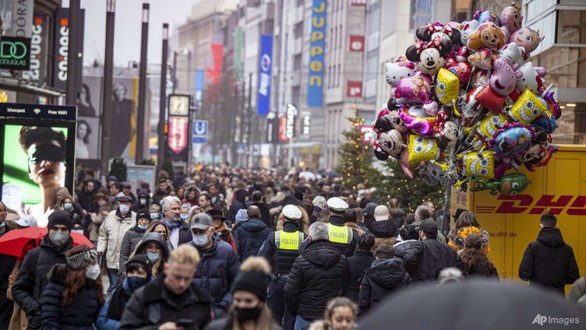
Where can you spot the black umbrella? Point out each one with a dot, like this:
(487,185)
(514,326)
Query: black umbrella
(475,304)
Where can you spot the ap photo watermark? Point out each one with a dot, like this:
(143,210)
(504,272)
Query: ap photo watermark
(545,320)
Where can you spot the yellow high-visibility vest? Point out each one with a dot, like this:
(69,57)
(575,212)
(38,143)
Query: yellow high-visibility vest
(288,241)
(339,234)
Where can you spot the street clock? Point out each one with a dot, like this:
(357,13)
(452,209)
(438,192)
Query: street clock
(179,105)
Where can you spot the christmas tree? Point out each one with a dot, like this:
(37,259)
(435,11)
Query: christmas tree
(355,165)
(391,182)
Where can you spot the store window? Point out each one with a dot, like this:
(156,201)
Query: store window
(571,27)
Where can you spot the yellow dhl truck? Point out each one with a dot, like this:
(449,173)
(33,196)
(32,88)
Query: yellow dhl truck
(513,221)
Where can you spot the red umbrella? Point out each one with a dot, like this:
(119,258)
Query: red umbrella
(13,242)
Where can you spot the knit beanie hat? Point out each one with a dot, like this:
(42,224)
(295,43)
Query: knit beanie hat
(253,277)
(144,261)
(60,218)
(143,213)
(81,256)
(241,215)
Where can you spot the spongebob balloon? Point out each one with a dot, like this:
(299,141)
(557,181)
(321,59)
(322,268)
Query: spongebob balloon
(479,166)
(527,108)
(490,125)
(447,87)
(422,149)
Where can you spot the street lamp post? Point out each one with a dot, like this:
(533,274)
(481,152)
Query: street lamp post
(73,49)
(162,99)
(107,83)
(140,126)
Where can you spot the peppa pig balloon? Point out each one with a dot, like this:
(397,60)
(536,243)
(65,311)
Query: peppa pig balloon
(503,79)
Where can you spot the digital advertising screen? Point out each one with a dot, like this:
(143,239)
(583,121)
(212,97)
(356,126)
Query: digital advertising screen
(37,158)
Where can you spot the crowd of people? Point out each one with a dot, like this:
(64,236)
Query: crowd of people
(232,248)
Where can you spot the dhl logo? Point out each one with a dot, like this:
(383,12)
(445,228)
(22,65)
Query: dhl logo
(515,204)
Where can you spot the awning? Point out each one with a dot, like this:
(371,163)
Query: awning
(17,85)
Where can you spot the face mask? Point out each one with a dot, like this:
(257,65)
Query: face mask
(153,256)
(143,201)
(59,238)
(135,282)
(124,208)
(247,314)
(67,206)
(200,240)
(79,231)
(93,272)
(143,227)
(183,217)
(154,216)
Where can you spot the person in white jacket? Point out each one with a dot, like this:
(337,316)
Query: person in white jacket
(112,231)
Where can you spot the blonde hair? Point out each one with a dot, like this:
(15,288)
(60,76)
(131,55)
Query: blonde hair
(185,254)
(256,264)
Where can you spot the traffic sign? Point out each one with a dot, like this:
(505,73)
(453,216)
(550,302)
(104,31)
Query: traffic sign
(200,131)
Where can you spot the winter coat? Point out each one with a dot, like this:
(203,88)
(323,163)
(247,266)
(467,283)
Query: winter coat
(185,235)
(120,295)
(80,313)
(6,266)
(265,215)
(549,261)
(324,325)
(142,193)
(85,199)
(425,259)
(165,252)
(237,204)
(111,234)
(385,276)
(317,276)
(32,278)
(93,227)
(129,242)
(227,323)
(249,237)
(215,273)
(578,291)
(226,235)
(152,305)
(357,264)
(304,221)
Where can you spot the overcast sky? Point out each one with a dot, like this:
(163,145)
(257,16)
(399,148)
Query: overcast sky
(128,28)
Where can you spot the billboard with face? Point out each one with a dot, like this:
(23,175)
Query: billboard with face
(37,160)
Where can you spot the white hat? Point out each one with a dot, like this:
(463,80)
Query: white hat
(27,221)
(381,213)
(337,204)
(292,212)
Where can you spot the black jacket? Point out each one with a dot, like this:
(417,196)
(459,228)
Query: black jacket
(129,242)
(384,228)
(249,237)
(152,305)
(265,214)
(215,273)
(227,323)
(425,259)
(549,261)
(357,264)
(32,278)
(79,314)
(317,276)
(238,203)
(385,276)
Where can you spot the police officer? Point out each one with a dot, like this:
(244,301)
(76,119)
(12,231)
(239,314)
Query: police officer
(342,237)
(281,248)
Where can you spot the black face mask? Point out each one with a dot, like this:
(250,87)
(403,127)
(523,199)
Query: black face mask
(247,314)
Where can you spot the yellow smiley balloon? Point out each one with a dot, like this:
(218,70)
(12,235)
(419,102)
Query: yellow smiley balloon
(489,125)
(422,149)
(528,107)
(446,87)
(481,167)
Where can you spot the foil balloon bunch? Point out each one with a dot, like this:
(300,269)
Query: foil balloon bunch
(467,104)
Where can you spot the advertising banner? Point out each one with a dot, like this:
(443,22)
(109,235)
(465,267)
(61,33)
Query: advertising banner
(283,129)
(317,46)
(15,53)
(214,71)
(22,18)
(264,77)
(36,156)
(178,134)
(354,88)
(38,51)
(356,43)
(89,107)
(60,48)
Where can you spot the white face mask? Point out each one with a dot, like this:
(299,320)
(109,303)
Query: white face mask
(93,272)
(124,208)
